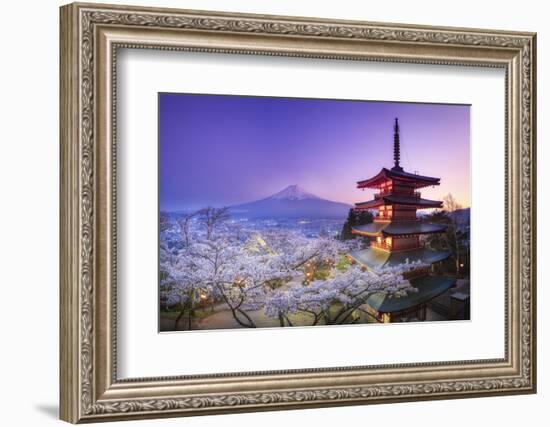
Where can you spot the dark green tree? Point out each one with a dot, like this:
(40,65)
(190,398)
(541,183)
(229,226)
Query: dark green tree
(453,239)
(346,229)
(365,217)
(355,218)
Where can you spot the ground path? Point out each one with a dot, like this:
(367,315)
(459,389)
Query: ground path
(223,319)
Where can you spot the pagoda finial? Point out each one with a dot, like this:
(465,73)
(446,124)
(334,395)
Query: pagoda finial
(396,147)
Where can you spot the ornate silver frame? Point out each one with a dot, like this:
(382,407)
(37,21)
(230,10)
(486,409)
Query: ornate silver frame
(90,36)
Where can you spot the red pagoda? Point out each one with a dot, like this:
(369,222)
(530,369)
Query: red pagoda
(396,237)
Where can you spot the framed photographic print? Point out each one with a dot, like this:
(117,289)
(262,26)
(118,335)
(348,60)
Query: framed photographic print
(262,212)
(230,257)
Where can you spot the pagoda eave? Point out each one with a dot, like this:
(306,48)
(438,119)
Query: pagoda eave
(376,259)
(375,229)
(428,288)
(399,200)
(418,181)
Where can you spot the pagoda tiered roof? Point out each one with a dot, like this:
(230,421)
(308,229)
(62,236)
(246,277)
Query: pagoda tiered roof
(428,288)
(376,259)
(398,228)
(396,232)
(397,173)
(392,199)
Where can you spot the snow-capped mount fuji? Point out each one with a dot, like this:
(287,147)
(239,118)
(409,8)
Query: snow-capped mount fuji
(292,202)
(293,192)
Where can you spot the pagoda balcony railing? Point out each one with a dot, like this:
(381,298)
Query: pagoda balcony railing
(382,245)
(388,247)
(393,219)
(409,246)
(396,193)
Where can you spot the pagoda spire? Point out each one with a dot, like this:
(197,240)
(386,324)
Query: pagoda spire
(396,147)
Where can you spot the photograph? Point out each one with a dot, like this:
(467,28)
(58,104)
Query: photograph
(281,212)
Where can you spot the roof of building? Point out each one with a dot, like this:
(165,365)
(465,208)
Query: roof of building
(397,173)
(397,228)
(399,200)
(376,258)
(428,287)
(372,229)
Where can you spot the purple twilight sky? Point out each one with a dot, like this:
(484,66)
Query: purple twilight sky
(224,150)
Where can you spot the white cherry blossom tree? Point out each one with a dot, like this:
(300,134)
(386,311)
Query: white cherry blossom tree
(203,256)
